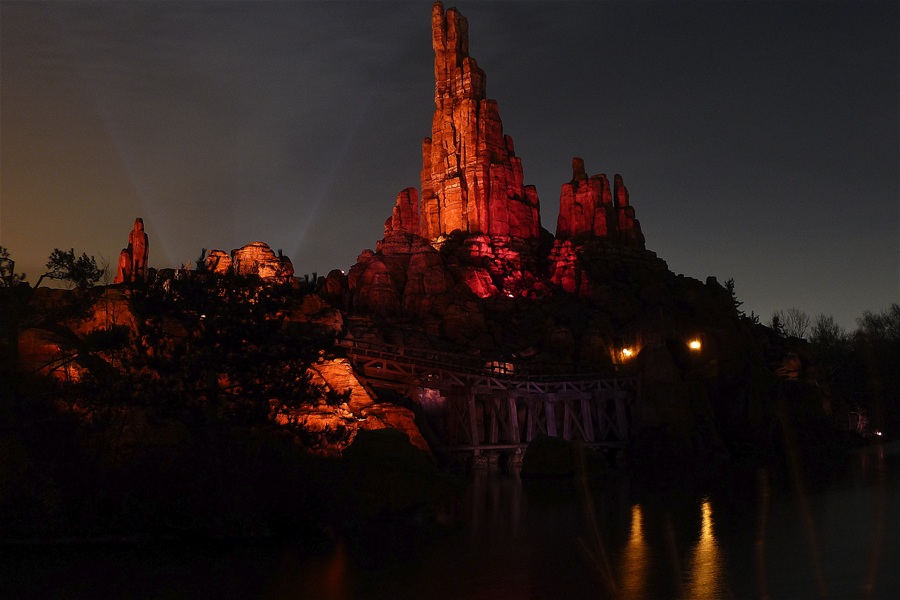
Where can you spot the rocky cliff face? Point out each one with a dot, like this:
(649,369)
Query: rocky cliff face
(588,210)
(465,265)
(476,229)
(472,180)
(253,259)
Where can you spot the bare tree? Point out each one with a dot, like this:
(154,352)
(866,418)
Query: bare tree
(793,321)
(826,333)
(106,274)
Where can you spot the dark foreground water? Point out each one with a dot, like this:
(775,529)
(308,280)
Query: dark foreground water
(753,533)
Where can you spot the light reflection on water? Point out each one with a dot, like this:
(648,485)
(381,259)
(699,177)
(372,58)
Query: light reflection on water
(634,558)
(703,578)
(706,562)
(742,537)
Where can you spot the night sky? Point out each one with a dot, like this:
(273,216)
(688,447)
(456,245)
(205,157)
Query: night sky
(759,140)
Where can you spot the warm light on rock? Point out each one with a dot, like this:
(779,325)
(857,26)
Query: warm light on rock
(472,180)
(258,259)
(132,264)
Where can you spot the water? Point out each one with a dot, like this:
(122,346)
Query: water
(752,533)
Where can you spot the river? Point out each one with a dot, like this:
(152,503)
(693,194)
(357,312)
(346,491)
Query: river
(746,533)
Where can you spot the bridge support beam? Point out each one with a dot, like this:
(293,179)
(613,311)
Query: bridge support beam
(550,414)
(473,417)
(513,413)
(483,409)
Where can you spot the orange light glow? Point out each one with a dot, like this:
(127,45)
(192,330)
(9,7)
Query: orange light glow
(706,565)
(694,344)
(636,558)
(622,355)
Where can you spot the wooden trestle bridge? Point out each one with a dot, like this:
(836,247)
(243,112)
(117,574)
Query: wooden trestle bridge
(480,406)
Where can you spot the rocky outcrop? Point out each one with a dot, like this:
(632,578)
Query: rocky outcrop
(59,351)
(218,262)
(332,429)
(588,210)
(132,265)
(253,259)
(405,218)
(406,275)
(46,353)
(596,224)
(476,212)
(475,232)
(472,180)
(316,314)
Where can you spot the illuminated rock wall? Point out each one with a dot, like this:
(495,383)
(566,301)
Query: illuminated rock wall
(589,210)
(256,258)
(475,228)
(471,178)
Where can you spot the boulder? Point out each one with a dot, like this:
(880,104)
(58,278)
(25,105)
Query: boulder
(218,262)
(258,259)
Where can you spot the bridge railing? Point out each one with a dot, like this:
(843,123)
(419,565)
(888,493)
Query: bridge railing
(500,369)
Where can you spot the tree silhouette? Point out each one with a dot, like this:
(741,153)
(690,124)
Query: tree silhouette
(794,322)
(8,275)
(240,362)
(81,271)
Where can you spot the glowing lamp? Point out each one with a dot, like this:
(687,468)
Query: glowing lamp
(694,345)
(627,352)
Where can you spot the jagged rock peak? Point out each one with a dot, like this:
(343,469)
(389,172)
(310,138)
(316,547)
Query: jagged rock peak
(132,264)
(405,217)
(589,210)
(472,180)
(455,72)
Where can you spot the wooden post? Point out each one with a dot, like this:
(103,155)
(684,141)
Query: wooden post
(567,419)
(533,406)
(513,414)
(473,417)
(550,414)
(587,419)
(494,404)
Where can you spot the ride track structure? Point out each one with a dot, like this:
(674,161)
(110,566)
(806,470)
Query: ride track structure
(494,406)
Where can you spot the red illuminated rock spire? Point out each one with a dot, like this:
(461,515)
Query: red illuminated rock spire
(475,224)
(132,265)
(588,210)
(471,178)
(405,218)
